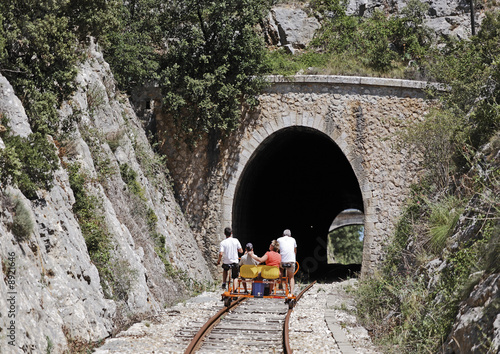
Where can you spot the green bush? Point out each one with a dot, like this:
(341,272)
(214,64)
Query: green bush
(437,139)
(379,41)
(22,223)
(129,176)
(279,62)
(28,163)
(442,221)
(471,69)
(39,51)
(93,225)
(408,311)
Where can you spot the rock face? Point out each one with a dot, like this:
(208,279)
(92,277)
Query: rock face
(293,26)
(448,18)
(52,292)
(478,320)
(290,27)
(12,107)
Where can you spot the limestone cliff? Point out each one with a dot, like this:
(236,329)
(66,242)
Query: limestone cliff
(52,291)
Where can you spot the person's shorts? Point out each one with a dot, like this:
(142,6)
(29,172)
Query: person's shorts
(235,269)
(289,266)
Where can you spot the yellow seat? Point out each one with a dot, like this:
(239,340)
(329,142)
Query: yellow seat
(270,272)
(249,271)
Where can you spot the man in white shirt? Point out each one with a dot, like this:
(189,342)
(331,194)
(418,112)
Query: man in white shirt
(288,250)
(228,252)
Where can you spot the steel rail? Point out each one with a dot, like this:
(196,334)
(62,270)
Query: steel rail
(200,335)
(286,340)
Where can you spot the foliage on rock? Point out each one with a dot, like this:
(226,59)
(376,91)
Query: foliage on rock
(94,230)
(39,50)
(379,40)
(27,162)
(472,70)
(134,49)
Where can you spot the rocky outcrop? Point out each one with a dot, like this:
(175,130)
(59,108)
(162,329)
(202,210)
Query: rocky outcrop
(444,17)
(477,326)
(11,106)
(293,26)
(290,27)
(52,292)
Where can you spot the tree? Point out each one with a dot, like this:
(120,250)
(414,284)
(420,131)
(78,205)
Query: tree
(213,62)
(133,51)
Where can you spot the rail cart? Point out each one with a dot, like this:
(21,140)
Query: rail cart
(259,281)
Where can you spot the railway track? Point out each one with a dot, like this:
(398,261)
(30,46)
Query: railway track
(257,324)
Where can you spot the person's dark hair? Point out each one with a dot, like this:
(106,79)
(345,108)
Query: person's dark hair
(228,231)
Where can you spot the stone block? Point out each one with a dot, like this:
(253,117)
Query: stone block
(257,136)
(246,154)
(337,79)
(286,121)
(317,78)
(318,121)
(378,81)
(274,124)
(251,144)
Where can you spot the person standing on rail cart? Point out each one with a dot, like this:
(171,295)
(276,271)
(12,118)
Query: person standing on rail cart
(228,252)
(288,250)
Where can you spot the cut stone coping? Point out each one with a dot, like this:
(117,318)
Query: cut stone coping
(354,80)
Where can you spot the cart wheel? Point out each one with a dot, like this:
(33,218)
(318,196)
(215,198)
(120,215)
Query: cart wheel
(227,301)
(291,304)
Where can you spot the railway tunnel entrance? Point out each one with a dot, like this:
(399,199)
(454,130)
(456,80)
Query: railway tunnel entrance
(297,179)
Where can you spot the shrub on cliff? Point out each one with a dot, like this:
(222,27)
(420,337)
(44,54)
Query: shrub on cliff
(378,41)
(27,163)
(472,70)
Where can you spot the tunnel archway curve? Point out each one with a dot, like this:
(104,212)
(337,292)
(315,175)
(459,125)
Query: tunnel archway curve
(296,178)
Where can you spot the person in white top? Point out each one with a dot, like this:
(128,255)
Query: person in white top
(288,250)
(247,260)
(228,252)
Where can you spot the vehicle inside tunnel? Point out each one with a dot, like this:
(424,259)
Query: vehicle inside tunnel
(297,179)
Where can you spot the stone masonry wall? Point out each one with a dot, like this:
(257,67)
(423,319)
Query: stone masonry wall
(361,115)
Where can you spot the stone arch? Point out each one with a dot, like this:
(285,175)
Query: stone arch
(265,135)
(360,115)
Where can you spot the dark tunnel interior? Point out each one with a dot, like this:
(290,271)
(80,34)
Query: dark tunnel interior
(297,179)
